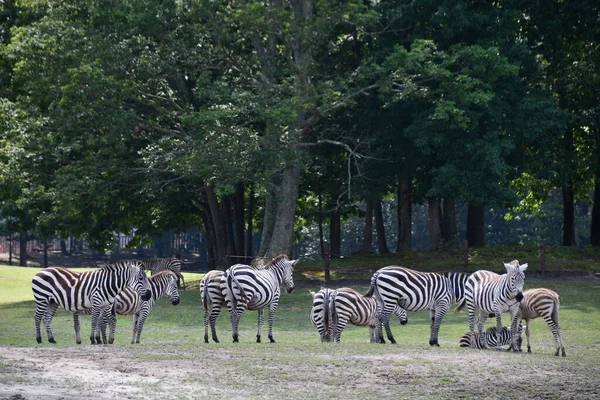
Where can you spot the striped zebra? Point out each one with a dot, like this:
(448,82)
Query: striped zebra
(212,297)
(543,303)
(487,292)
(474,341)
(155,265)
(254,289)
(128,302)
(415,291)
(347,305)
(320,314)
(77,291)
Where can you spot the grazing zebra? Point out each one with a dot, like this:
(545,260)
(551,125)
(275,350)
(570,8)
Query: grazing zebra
(320,314)
(250,288)
(543,303)
(347,305)
(415,291)
(211,296)
(128,302)
(155,265)
(476,342)
(488,292)
(77,291)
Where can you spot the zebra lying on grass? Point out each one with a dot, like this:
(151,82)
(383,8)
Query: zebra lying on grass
(211,296)
(415,291)
(487,292)
(128,302)
(78,291)
(255,289)
(347,305)
(156,265)
(474,341)
(543,303)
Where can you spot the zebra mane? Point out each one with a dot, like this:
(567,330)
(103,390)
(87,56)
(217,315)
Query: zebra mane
(275,260)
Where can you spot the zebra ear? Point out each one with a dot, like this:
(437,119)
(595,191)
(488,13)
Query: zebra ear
(509,267)
(294,262)
(523,267)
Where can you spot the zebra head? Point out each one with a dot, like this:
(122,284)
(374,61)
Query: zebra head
(288,275)
(138,280)
(172,290)
(516,278)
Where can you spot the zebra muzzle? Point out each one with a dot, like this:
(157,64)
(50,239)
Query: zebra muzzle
(519,296)
(175,302)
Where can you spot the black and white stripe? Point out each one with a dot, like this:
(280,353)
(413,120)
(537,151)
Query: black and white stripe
(543,303)
(78,291)
(474,341)
(349,306)
(415,291)
(250,288)
(212,301)
(320,313)
(128,302)
(155,265)
(487,292)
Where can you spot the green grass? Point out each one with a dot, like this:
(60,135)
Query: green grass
(173,338)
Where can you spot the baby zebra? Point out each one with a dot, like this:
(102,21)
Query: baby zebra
(543,303)
(347,305)
(504,339)
(211,296)
(128,302)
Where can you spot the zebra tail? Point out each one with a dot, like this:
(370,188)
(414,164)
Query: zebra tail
(327,310)
(232,283)
(372,288)
(461,305)
(204,298)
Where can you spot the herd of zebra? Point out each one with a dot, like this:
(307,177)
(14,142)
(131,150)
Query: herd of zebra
(124,288)
(484,293)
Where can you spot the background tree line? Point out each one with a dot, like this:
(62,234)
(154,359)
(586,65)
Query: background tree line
(236,117)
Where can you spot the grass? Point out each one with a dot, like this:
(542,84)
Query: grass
(299,366)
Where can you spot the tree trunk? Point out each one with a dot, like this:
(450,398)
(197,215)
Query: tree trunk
(476,226)
(404,214)
(335,233)
(238,219)
(23,249)
(367,246)
(320,221)
(63,248)
(220,235)
(595,228)
(435,223)
(379,227)
(449,230)
(281,209)
(249,226)
(45,253)
(568,215)
(228,210)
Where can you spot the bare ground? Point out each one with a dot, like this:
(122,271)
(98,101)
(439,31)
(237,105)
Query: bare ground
(234,372)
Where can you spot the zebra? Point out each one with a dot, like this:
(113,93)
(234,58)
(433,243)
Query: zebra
(488,292)
(77,291)
(211,296)
(250,288)
(128,302)
(155,265)
(475,341)
(415,291)
(320,314)
(543,303)
(347,305)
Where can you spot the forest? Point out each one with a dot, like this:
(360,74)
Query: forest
(261,123)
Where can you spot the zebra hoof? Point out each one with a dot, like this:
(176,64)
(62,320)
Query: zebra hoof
(235,339)
(51,340)
(38,339)
(434,343)
(257,339)
(78,341)
(205,339)
(271,339)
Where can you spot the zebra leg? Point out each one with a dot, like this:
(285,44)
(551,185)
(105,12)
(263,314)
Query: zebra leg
(514,329)
(206,319)
(527,333)
(481,330)
(136,317)
(261,321)
(140,323)
(235,320)
(216,309)
(556,333)
(103,321)
(40,311)
(48,315)
(436,321)
(385,322)
(112,324)
(340,324)
(77,328)
(272,310)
